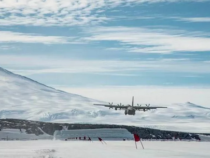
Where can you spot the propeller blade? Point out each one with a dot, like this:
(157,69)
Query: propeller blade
(120,104)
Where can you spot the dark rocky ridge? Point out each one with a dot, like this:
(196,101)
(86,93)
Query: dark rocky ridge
(49,128)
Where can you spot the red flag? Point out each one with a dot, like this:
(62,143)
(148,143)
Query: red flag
(89,139)
(84,138)
(101,140)
(136,137)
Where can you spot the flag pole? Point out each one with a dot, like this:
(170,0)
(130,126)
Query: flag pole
(136,144)
(142,144)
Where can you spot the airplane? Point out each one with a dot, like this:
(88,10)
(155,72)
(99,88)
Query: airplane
(130,109)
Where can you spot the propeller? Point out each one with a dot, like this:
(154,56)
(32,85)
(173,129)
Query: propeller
(120,105)
(147,105)
(138,104)
(110,104)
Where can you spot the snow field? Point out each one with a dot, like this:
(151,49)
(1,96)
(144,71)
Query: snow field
(113,149)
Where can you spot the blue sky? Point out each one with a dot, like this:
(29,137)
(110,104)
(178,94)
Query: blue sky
(94,43)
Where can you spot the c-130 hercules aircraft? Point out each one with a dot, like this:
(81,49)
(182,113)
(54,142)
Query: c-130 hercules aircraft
(130,109)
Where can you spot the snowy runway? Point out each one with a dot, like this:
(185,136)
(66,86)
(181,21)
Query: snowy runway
(113,149)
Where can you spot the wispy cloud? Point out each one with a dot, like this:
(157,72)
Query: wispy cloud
(16,37)
(60,12)
(130,39)
(6,47)
(195,19)
(143,40)
(43,64)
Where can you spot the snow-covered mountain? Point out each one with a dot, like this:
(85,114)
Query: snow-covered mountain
(23,98)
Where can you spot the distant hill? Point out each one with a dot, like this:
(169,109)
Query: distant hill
(43,130)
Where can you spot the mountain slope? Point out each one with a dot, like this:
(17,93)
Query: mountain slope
(23,98)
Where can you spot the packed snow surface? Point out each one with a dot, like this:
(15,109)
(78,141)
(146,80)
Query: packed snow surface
(23,98)
(112,149)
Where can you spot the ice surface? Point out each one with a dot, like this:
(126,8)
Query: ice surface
(23,98)
(105,133)
(113,149)
(204,137)
(20,134)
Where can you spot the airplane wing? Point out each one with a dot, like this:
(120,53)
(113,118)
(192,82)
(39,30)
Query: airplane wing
(147,107)
(112,106)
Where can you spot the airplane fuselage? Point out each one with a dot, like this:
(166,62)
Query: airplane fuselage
(130,111)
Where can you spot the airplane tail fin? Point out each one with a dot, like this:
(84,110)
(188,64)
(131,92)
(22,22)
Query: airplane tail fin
(133,101)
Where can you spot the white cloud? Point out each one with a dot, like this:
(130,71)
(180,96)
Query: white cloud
(60,12)
(43,64)
(13,37)
(195,19)
(6,47)
(142,40)
(49,12)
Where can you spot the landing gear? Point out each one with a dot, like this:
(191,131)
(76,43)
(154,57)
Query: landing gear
(126,112)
